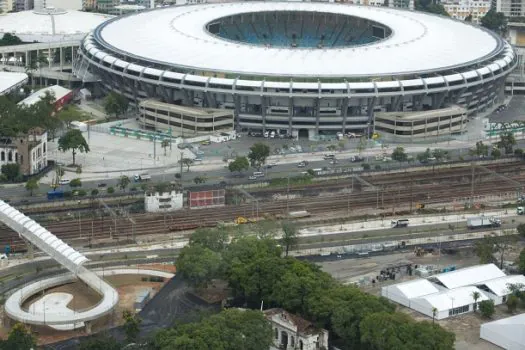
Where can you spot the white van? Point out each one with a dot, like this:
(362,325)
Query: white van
(266,134)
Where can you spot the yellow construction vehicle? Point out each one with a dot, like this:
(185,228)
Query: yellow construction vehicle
(242,220)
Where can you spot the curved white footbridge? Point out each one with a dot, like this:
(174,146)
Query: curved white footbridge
(70,259)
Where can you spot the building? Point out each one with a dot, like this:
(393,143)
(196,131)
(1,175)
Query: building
(305,82)
(29,150)
(510,8)
(184,120)
(163,202)
(24,5)
(515,84)
(460,9)
(423,124)
(61,94)
(50,25)
(507,333)
(451,293)
(294,332)
(7,5)
(206,199)
(12,82)
(403,4)
(59,4)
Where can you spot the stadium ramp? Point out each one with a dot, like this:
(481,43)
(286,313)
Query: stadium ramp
(65,256)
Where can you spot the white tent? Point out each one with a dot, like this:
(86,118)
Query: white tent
(508,333)
(498,288)
(468,276)
(448,303)
(402,293)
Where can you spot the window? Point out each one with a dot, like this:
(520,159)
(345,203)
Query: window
(459,310)
(10,156)
(21,159)
(2,156)
(44,147)
(276,333)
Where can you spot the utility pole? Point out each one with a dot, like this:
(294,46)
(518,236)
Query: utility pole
(472,186)
(154,150)
(288,196)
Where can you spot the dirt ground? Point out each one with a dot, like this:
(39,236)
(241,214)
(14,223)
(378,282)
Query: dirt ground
(128,286)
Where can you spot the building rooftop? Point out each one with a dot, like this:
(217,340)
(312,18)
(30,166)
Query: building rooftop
(303,326)
(500,286)
(419,42)
(57,90)
(50,25)
(450,299)
(413,289)
(507,333)
(469,276)
(10,81)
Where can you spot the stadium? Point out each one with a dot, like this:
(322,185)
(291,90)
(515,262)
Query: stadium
(305,69)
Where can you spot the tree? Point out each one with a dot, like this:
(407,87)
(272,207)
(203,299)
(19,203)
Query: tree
(115,104)
(75,183)
(74,141)
(488,247)
(70,114)
(512,303)
(507,142)
(164,144)
(399,154)
(123,182)
(94,192)
(431,7)
(213,239)
(361,146)
(131,326)
(518,152)
(187,162)
(496,153)
(423,157)
(440,154)
(199,179)
(495,21)
(331,147)
(289,237)
(231,329)
(521,261)
(11,171)
(100,342)
(258,154)
(434,313)
(198,265)
(476,296)
(486,307)
(31,185)
(19,338)
(239,164)
(111,190)
(481,149)
(10,39)
(468,18)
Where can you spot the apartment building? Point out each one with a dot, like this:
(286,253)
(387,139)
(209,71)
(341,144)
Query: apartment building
(460,9)
(29,150)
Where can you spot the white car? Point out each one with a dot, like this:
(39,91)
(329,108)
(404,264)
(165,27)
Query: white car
(252,177)
(64,182)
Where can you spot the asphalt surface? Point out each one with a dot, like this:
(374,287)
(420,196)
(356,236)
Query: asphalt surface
(515,111)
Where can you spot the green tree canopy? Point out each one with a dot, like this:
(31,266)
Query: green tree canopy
(116,104)
(123,182)
(199,265)
(239,164)
(430,7)
(258,154)
(31,186)
(486,307)
(507,142)
(495,21)
(131,326)
(213,239)
(521,261)
(19,338)
(11,171)
(100,342)
(289,237)
(73,141)
(232,329)
(399,154)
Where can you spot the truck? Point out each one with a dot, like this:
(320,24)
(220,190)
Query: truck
(141,177)
(483,221)
(399,223)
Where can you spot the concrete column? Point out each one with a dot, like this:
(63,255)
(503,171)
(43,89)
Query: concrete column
(72,53)
(49,60)
(87,326)
(263,112)
(317,115)
(290,115)
(61,58)
(344,111)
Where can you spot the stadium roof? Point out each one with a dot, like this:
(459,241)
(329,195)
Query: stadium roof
(50,25)
(469,276)
(450,299)
(10,81)
(508,333)
(177,36)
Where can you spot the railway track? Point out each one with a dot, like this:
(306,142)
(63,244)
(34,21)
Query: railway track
(85,229)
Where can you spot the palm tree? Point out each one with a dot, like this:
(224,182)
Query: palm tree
(476,296)
(289,237)
(165,143)
(434,313)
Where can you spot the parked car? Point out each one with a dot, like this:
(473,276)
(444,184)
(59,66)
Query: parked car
(252,177)
(64,182)
(356,159)
(301,165)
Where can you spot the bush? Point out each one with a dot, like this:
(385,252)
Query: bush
(366,166)
(377,167)
(486,307)
(75,183)
(94,192)
(111,190)
(82,193)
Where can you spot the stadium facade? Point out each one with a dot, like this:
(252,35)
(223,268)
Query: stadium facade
(302,68)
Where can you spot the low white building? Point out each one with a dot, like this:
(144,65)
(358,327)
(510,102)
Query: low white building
(508,333)
(293,332)
(12,82)
(402,293)
(469,276)
(499,289)
(448,303)
(163,202)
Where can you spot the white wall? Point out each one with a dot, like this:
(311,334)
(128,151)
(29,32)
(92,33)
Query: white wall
(61,4)
(163,202)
